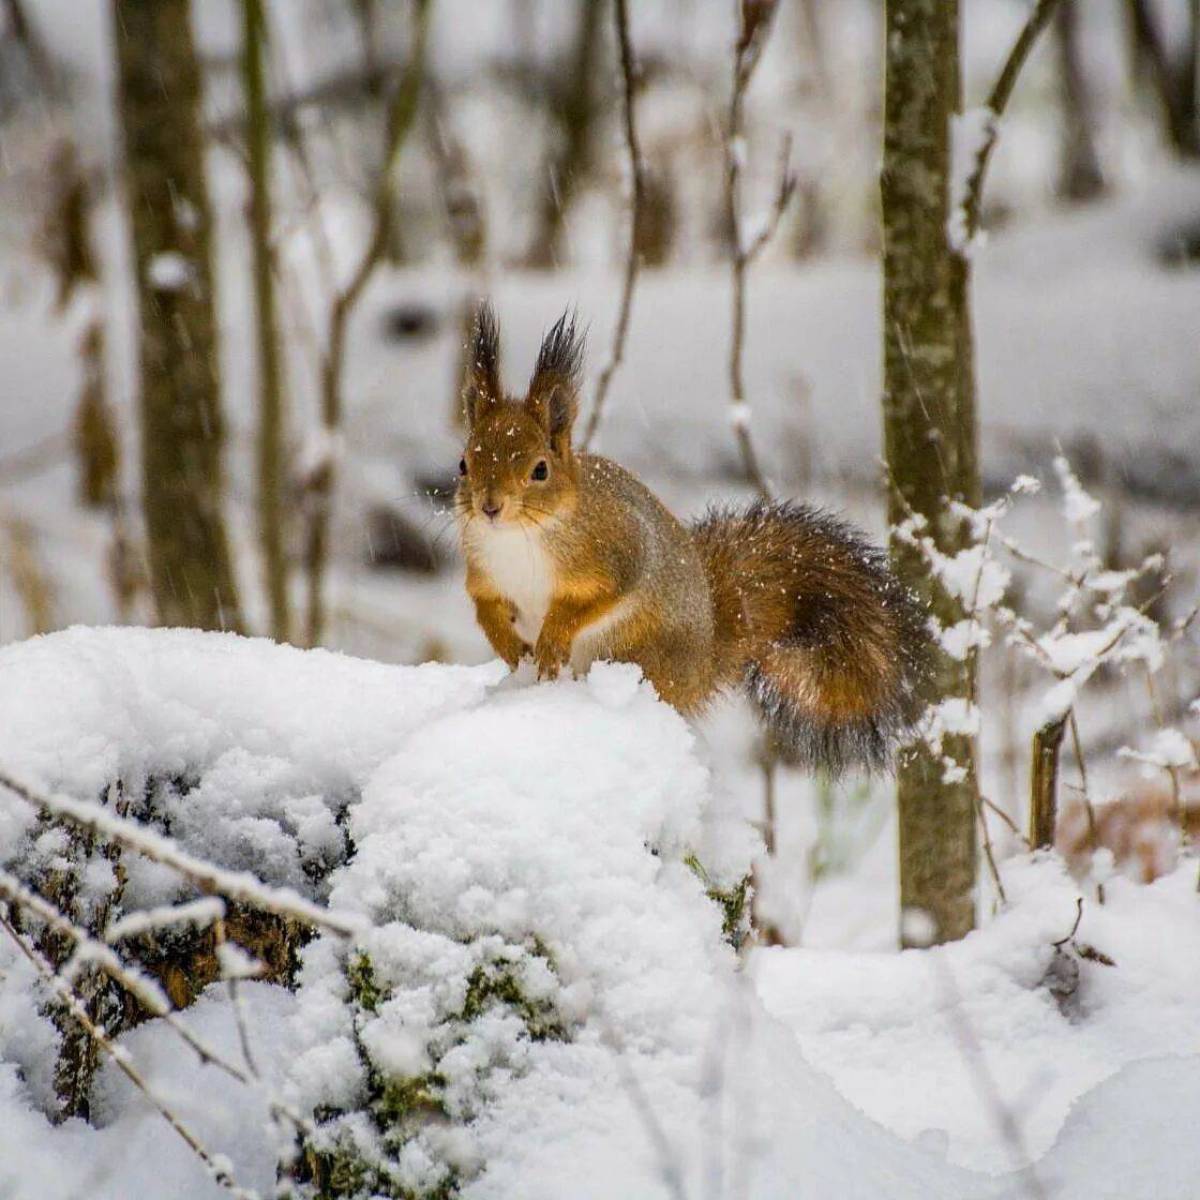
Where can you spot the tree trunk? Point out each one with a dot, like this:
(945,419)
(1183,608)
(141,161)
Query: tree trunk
(270,383)
(929,427)
(1079,176)
(159,90)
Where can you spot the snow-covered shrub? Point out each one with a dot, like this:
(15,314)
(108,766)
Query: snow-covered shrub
(1099,625)
(531,879)
(243,753)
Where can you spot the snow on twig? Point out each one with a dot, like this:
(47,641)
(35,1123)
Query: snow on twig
(234,885)
(219,1168)
(976,131)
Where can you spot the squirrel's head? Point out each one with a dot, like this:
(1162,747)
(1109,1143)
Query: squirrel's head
(517,465)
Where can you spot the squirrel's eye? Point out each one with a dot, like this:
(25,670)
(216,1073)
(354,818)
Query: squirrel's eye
(541,470)
(462,466)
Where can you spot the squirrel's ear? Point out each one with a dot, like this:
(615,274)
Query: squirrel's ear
(481,376)
(554,389)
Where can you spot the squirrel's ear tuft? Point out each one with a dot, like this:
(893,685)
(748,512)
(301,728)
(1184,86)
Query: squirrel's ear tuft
(481,377)
(554,389)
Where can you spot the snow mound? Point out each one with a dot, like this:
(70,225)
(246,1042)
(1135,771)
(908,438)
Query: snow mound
(545,1004)
(248,752)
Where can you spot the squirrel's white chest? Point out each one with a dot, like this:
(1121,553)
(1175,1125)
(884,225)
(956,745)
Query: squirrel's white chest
(520,569)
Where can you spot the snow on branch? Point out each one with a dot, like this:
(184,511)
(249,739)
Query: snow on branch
(234,885)
(218,1166)
(1095,623)
(975,132)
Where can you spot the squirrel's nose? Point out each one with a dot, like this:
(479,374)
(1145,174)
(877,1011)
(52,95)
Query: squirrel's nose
(490,508)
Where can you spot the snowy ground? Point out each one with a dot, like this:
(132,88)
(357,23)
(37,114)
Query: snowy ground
(839,1053)
(493,812)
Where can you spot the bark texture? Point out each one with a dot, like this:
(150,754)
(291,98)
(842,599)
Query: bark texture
(929,426)
(159,97)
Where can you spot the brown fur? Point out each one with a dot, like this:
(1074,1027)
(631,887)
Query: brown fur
(781,598)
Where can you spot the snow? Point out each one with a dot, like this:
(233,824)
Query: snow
(970,133)
(881,1025)
(273,742)
(535,836)
(1077,504)
(170,272)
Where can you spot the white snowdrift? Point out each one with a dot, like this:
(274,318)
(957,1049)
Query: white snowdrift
(533,837)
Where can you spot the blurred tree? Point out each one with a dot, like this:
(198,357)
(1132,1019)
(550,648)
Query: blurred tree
(66,242)
(159,100)
(1172,74)
(929,430)
(573,102)
(271,429)
(19,27)
(97,450)
(1079,174)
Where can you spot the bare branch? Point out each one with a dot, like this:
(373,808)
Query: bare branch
(754,28)
(400,116)
(637,177)
(997,102)
(234,885)
(217,1170)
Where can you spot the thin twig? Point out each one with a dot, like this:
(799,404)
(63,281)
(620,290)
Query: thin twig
(1075,926)
(991,806)
(985,1082)
(233,885)
(755,25)
(987,847)
(235,998)
(997,102)
(217,1170)
(400,116)
(1085,793)
(637,203)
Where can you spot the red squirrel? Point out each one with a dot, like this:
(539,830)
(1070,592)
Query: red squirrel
(571,559)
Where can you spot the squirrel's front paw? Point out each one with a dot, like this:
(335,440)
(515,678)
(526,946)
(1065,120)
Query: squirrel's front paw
(550,658)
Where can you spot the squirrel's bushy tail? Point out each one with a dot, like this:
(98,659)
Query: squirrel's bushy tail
(808,615)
